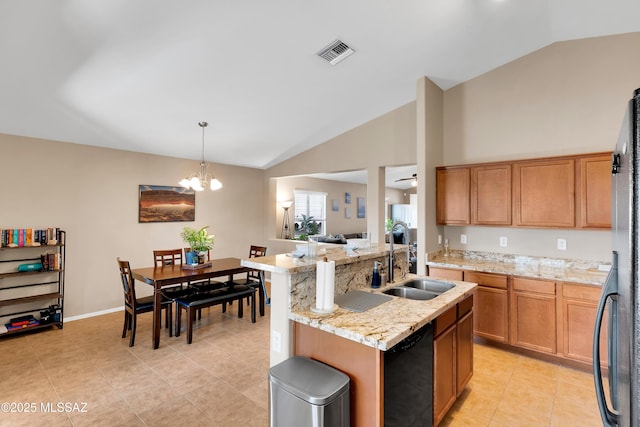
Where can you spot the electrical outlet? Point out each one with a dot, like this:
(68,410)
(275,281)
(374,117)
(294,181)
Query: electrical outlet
(463,239)
(439,239)
(276,341)
(503,242)
(562,244)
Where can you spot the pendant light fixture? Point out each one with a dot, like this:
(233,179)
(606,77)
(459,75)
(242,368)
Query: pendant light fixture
(198,181)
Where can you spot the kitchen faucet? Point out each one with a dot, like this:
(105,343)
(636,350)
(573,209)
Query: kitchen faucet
(405,240)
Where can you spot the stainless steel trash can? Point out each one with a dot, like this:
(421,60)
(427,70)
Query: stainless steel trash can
(304,392)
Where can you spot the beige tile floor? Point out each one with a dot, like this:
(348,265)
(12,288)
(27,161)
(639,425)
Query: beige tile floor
(221,379)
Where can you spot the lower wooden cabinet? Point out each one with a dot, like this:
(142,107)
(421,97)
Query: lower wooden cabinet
(555,318)
(491,306)
(464,356)
(533,314)
(452,356)
(578,311)
(444,373)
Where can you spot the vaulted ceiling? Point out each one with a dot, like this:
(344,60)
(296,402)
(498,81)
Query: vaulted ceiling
(139,75)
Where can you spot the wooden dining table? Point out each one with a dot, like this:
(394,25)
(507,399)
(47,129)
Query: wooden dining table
(168,275)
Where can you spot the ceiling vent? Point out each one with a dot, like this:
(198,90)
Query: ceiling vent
(336,52)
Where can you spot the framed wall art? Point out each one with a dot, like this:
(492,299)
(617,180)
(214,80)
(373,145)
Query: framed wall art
(361,207)
(334,205)
(158,203)
(347,198)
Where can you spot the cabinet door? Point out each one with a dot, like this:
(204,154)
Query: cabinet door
(490,305)
(593,183)
(452,196)
(464,344)
(533,315)
(543,193)
(491,314)
(579,304)
(444,373)
(491,194)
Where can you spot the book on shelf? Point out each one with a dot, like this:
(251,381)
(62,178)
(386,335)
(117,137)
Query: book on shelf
(50,261)
(19,237)
(29,324)
(22,322)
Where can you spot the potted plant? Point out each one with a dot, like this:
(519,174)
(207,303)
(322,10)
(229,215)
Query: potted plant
(308,226)
(198,240)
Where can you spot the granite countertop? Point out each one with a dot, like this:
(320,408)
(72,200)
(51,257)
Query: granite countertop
(285,263)
(568,270)
(387,324)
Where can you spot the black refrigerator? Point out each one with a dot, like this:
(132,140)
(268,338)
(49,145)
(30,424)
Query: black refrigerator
(620,301)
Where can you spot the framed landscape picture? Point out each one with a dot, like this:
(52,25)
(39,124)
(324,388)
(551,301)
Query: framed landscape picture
(158,203)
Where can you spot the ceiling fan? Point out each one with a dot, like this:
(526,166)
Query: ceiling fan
(413,177)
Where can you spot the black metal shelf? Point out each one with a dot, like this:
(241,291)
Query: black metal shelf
(50,281)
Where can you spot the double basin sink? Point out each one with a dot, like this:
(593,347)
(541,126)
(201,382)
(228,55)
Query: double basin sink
(420,289)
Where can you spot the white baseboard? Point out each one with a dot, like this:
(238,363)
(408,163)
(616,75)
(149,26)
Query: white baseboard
(95,313)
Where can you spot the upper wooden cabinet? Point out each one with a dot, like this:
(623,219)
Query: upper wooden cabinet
(452,196)
(543,192)
(491,194)
(593,191)
(555,192)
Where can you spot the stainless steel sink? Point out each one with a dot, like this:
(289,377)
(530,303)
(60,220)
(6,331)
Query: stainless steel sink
(410,293)
(430,285)
(420,289)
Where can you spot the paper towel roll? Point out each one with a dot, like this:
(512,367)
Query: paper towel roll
(329,284)
(320,287)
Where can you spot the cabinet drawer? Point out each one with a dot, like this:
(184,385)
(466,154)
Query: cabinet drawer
(465,306)
(585,292)
(486,279)
(445,273)
(534,285)
(444,321)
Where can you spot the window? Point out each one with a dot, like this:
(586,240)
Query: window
(310,204)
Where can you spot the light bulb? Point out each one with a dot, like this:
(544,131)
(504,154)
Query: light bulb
(215,184)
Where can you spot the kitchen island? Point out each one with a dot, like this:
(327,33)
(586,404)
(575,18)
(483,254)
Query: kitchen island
(352,342)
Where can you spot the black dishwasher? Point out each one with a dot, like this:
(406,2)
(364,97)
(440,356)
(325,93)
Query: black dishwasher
(408,381)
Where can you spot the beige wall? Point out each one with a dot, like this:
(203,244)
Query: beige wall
(388,140)
(566,98)
(92,193)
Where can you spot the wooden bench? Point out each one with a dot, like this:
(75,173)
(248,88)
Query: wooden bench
(197,301)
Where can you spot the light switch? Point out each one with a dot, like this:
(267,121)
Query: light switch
(439,239)
(463,239)
(276,341)
(503,241)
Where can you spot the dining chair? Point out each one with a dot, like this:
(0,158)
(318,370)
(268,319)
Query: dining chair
(255,278)
(134,306)
(169,257)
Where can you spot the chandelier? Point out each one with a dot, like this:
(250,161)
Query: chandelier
(200,180)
